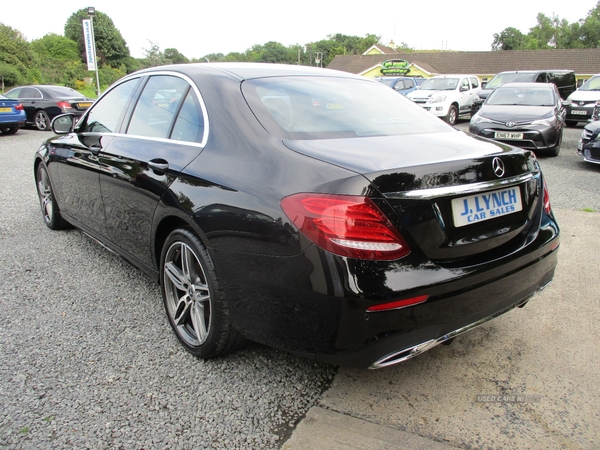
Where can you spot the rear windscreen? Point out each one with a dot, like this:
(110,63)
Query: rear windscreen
(325,107)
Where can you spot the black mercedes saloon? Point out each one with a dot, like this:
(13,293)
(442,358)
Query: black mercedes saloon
(307,209)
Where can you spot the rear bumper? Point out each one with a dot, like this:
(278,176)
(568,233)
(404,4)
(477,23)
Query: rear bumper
(315,304)
(479,305)
(13,123)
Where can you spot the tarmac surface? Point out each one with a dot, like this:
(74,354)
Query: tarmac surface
(528,379)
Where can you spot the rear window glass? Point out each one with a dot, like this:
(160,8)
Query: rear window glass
(511,77)
(323,107)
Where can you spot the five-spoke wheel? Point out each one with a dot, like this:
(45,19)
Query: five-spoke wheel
(194,303)
(50,210)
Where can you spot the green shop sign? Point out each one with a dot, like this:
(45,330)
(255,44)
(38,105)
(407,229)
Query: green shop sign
(395,67)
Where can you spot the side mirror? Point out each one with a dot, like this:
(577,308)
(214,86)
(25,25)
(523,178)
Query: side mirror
(464,88)
(63,124)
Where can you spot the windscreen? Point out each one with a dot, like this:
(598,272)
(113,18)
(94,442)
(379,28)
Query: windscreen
(440,84)
(513,77)
(593,84)
(330,108)
(521,97)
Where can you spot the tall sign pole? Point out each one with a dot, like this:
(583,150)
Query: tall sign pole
(90,44)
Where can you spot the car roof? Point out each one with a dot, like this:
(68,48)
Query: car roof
(528,85)
(247,71)
(455,75)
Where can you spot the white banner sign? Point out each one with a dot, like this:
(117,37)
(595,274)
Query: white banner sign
(89,44)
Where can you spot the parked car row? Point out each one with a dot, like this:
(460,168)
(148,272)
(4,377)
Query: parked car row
(42,103)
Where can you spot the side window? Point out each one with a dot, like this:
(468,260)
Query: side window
(14,93)
(542,78)
(157,107)
(465,83)
(108,111)
(189,125)
(474,82)
(30,93)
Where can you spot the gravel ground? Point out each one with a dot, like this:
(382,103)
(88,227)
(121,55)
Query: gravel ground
(88,358)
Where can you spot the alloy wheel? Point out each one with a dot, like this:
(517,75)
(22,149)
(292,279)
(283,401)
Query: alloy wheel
(187,294)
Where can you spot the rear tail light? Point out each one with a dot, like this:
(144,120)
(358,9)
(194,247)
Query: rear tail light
(547,207)
(64,105)
(346,225)
(19,107)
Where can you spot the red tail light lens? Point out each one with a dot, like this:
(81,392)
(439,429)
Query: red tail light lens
(64,105)
(19,107)
(547,207)
(346,225)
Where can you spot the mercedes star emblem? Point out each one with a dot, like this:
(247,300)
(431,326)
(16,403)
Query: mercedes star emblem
(498,167)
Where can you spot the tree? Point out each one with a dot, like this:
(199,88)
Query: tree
(57,47)
(509,39)
(544,33)
(111,48)
(15,52)
(340,44)
(154,57)
(590,28)
(174,56)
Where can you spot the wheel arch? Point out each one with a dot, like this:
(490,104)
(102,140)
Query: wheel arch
(166,226)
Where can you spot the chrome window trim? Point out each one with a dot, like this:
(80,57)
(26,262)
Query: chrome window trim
(423,194)
(201,144)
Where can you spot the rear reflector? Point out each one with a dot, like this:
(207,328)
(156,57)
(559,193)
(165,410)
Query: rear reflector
(346,225)
(397,304)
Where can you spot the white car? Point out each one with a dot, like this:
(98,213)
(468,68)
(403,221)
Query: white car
(583,101)
(447,96)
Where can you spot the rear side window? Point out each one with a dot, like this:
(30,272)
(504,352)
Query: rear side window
(168,108)
(30,93)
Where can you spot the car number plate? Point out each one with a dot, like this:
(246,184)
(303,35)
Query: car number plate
(5,109)
(84,105)
(485,206)
(579,112)
(507,135)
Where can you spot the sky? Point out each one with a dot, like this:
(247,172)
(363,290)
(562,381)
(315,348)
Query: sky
(198,28)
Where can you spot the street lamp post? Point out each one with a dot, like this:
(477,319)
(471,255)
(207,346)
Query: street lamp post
(91,11)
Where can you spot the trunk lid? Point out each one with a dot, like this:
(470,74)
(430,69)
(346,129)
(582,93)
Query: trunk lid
(460,200)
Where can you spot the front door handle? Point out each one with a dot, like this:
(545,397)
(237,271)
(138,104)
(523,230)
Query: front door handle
(160,165)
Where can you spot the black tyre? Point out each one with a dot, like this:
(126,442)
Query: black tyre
(50,211)
(452,115)
(194,302)
(571,123)
(10,130)
(42,120)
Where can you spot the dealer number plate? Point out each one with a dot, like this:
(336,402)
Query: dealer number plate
(485,206)
(507,135)
(5,109)
(579,112)
(84,105)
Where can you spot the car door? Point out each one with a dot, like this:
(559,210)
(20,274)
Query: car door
(30,98)
(163,133)
(79,167)
(466,95)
